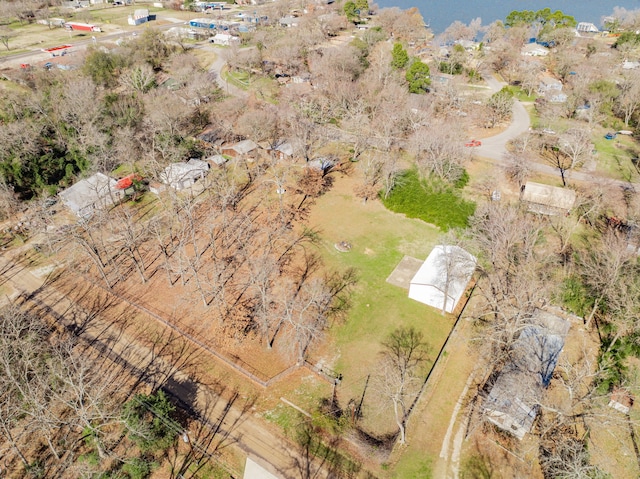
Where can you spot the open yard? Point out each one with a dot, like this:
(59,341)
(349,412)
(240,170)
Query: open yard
(615,156)
(379,239)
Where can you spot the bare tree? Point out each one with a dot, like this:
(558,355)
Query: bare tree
(602,266)
(439,152)
(22,344)
(8,201)
(513,281)
(398,375)
(371,166)
(140,78)
(306,314)
(518,167)
(566,153)
(628,102)
(6,35)
(567,458)
(576,144)
(86,390)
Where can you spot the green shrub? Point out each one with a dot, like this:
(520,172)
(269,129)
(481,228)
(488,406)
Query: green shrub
(432,201)
(575,297)
(138,468)
(149,422)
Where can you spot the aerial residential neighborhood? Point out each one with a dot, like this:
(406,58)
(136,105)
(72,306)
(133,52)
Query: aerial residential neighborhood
(320,239)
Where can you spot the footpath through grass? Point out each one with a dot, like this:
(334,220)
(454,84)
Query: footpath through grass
(433,201)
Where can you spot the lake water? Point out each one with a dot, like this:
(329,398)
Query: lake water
(440,14)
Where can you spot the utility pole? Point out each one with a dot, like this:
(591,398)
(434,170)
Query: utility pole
(359,408)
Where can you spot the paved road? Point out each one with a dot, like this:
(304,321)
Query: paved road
(233,419)
(493,148)
(37,54)
(217,68)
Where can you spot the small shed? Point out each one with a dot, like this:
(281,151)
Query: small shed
(96,192)
(548,200)
(183,175)
(217,160)
(621,400)
(443,277)
(242,148)
(534,50)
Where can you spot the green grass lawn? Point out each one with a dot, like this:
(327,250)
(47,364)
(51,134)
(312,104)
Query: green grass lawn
(614,156)
(521,95)
(239,79)
(433,201)
(379,240)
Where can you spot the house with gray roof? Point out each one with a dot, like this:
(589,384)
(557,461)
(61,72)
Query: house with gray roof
(513,399)
(95,192)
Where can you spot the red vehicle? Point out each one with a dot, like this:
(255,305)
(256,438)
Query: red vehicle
(87,27)
(473,143)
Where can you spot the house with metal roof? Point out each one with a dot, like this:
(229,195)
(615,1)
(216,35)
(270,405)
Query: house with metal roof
(95,192)
(183,175)
(547,199)
(513,399)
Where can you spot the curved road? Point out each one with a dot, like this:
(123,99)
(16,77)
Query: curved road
(495,147)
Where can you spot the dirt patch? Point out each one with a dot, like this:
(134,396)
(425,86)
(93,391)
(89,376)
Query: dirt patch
(404,272)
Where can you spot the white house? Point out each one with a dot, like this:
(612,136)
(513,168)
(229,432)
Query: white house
(534,50)
(548,84)
(225,39)
(183,175)
(586,27)
(443,277)
(96,192)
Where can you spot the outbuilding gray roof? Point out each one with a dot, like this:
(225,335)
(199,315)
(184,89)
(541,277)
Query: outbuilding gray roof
(551,198)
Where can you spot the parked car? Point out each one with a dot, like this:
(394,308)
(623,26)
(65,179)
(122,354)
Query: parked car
(610,136)
(473,143)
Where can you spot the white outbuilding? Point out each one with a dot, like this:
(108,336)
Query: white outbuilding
(225,39)
(443,277)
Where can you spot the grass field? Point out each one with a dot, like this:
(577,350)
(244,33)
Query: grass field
(614,156)
(379,240)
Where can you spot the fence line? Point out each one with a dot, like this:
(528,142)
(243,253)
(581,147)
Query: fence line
(232,364)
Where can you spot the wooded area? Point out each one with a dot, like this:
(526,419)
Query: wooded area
(206,165)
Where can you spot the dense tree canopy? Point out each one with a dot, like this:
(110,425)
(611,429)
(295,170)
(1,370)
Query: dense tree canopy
(544,17)
(418,77)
